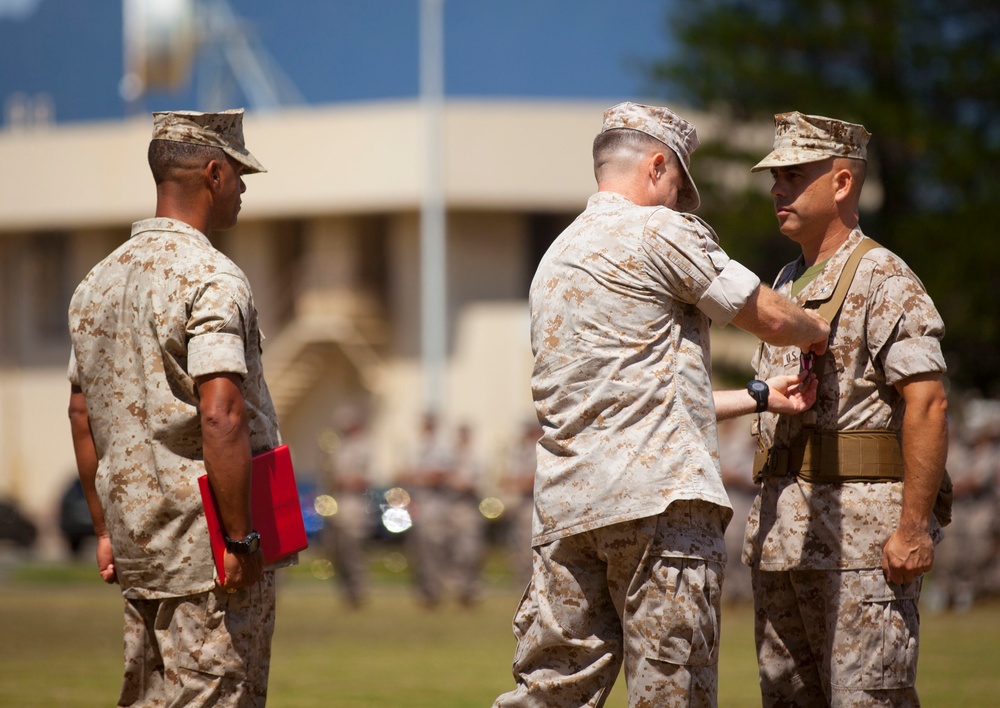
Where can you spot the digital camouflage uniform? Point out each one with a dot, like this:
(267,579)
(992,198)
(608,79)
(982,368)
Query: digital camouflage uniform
(163,309)
(428,541)
(468,525)
(961,563)
(630,509)
(350,527)
(830,628)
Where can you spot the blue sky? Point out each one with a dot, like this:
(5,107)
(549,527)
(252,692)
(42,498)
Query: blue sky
(341,50)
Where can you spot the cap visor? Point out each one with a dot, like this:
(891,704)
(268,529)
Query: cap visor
(246,159)
(689,199)
(789,156)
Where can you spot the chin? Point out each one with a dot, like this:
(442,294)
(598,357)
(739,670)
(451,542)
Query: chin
(786,227)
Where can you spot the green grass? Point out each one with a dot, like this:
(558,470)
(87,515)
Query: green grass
(61,646)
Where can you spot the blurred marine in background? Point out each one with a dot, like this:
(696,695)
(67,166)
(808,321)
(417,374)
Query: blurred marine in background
(351,482)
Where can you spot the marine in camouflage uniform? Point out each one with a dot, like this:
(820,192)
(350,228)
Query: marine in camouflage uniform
(166,385)
(837,561)
(350,529)
(468,525)
(431,465)
(630,509)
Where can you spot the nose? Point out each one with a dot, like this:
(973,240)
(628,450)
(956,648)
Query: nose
(243,186)
(777,189)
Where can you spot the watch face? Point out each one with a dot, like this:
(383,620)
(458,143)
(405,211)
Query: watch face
(248,545)
(760,392)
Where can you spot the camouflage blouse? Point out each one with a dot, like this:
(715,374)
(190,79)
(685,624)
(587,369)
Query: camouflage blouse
(163,309)
(888,330)
(620,311)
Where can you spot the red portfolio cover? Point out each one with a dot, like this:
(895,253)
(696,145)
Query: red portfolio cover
(274,502)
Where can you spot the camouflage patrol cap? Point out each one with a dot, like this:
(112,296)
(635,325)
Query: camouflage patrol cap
(667,127)
(799,138)
(223,130)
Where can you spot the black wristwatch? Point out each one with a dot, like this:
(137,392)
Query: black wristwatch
(245,546)
(759,391)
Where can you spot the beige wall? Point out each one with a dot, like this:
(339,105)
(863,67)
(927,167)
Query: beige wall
(358,158)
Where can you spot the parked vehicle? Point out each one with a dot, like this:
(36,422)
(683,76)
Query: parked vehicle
(15,526)
(74,517)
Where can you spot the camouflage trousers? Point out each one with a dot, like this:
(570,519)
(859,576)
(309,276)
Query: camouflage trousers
(428,543)
(346,538)
(209,649)
(642,593)
(836,638)
(468,548)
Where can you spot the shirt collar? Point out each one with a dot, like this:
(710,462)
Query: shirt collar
(176,226)
(607,197)
(822,286)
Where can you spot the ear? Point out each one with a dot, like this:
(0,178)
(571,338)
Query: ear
(843,181)
(213,175)
(657,167)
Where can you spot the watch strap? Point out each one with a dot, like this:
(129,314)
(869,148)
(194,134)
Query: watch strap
(759,391)
(244,546)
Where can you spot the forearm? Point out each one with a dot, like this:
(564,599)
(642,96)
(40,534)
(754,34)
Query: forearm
(87,461)
(85,452)
(776,320)
(226,449)
(732,404)
(925,448)
(789,394)
(909,551)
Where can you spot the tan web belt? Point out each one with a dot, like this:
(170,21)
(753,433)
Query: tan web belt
(834,456)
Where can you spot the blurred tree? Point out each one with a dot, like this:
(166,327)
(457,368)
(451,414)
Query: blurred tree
(923,76)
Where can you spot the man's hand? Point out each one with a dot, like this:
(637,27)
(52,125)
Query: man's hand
(242,570)
(908,553)
(792,393)
(106,560)
(789,394)
(817,342)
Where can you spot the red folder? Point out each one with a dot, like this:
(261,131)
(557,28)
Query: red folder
(274,503)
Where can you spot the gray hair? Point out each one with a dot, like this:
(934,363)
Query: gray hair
(622,147)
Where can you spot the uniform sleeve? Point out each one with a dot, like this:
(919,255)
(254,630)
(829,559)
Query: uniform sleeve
(905,329)
(728,293)
(216,328)
(72,371)
(694,267)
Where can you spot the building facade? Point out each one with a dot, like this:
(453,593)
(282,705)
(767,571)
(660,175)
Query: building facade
(330,240)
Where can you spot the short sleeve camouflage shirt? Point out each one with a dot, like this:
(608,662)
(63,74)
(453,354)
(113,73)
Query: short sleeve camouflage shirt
(888,330)
(163,309)
(620,312)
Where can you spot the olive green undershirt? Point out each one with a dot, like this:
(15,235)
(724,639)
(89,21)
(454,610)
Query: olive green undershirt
(803,278)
